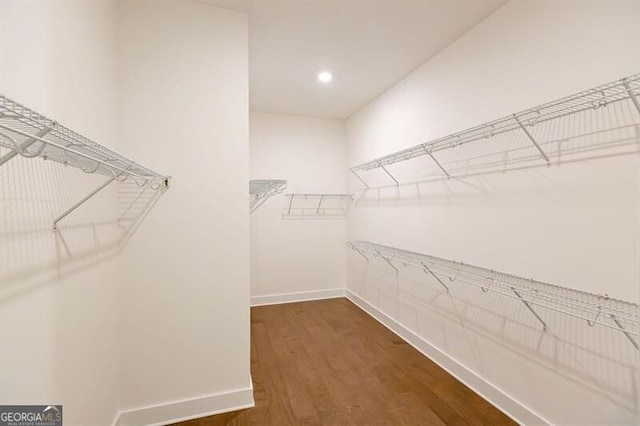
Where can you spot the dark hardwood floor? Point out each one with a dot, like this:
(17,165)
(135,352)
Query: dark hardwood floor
(327,362)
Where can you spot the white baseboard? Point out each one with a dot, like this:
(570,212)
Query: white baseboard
(511,407)
(188,409)
(274,299)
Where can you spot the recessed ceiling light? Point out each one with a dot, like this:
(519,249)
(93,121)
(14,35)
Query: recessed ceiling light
(325,76)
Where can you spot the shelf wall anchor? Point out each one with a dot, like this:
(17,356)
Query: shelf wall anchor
(429,271)
(359,178)
(524,129)
(544,325)
(390,175)
(632,96)
(388,261)
(625,332)
(81,202)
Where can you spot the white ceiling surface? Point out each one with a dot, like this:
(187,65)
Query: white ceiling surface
(368,45)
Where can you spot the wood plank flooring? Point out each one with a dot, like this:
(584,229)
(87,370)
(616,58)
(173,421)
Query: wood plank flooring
(328,363)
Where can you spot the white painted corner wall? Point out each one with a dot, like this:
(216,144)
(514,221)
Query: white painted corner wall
(59,292)
(575,225)
(296,255)
(185,306)
(160,331)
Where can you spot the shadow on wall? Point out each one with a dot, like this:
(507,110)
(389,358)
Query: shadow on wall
(475,327)
(605,132)
(32,193)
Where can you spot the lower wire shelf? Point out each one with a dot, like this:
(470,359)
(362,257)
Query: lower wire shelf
(593,308)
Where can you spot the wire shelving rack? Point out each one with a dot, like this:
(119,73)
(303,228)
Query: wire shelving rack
(593,308)
(316,206)
(262,189)
(26,133)
(515,142)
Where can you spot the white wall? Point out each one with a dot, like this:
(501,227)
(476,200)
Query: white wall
(297,255)
(574,225)
(168,319)
(58,292)
(184,108)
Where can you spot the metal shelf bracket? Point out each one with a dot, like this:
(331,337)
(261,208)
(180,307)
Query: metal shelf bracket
(625,332)
(358,251)
(359,178)
(390,175)
(81,202)
(430,154)
(524,129)
(389,262)
(319,203)
(429,271)
(544,324)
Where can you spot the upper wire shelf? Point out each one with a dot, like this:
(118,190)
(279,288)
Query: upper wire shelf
(260,191)
(316,206)
(29,134)
(593,308)
(532,147)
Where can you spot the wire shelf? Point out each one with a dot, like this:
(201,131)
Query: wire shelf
(261,190)
(593,308)
(522,139)
(317,206)
(30,135)
(26,133)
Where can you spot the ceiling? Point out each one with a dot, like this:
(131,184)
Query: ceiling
(368,45)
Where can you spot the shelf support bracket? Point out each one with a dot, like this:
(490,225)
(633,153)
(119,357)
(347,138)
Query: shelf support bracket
(429,271)
(524,129)
(359,252)
(26,144)
(359,178)
(290,203)
(437,162)
(633,99)
(544,325)
(319,204)
(388,261)
(387,172)
(81,202)
(626,333)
